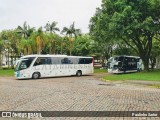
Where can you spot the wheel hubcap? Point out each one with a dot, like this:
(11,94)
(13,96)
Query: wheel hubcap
(35,75)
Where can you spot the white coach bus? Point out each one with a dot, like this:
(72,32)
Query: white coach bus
(123,64)
(37,66)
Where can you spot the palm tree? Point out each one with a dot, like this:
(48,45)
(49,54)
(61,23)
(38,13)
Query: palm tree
(52,28)
(14,39)
(6,37)
(40,40)
(63,42)
(72,33)
(25,31)
(11,41)
(23,46)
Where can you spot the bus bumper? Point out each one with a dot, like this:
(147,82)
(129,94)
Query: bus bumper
(20,75)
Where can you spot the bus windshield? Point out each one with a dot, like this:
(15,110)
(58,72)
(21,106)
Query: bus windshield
(119,58)
(24,63)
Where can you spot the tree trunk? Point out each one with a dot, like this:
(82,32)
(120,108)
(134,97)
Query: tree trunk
(50,49)
(54,47)
(61,48)
(145,59)
(70,48)
(70,52)
(145,50)
(153,62)
(146,63)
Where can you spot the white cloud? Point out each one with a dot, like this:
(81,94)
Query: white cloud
(38,12)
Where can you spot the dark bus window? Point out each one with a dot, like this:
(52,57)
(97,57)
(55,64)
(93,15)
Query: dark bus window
(120,58)
(40,61)
(130,63)
(116,58)
(24,64)
(65,61)
(81,61)
(88,61)
(85,60)
(48,61)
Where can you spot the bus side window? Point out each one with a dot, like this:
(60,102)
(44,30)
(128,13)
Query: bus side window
(40,61)
(37,62)
(65,61)
(81,61)
(48,61)
(88,60)
(55,60)
(70,61)
(43,61)
(73,60)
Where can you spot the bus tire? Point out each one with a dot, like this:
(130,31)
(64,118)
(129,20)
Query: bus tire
(79,73)
(36,75)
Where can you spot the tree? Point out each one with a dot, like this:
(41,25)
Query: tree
(121,48)
(63,43)
(99,32)
(51,28)
(25,31)
(72,33)
(6,37)
(40,40)
(155,52)
(1,50)
(135,22)
(26,46)
(54,40)
(83,45)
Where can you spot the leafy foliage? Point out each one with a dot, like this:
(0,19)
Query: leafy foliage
(28,40)
(135,22)
(72,33)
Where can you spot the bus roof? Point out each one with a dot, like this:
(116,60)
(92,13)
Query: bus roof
(48,55)
(127,56)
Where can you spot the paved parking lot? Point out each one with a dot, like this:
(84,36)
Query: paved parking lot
(86,93)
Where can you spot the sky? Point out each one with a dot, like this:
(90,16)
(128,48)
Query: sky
(38,12)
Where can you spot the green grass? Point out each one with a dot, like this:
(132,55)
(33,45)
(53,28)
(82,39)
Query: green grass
(98,70)
(6,72)
(147,76)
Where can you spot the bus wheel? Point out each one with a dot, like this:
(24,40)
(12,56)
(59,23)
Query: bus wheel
(79,73)
(36,75)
